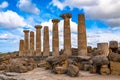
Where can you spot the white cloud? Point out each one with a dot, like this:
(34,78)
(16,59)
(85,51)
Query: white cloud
(28,6)
(4,4)
(10,19)
(96,9)
(9,37)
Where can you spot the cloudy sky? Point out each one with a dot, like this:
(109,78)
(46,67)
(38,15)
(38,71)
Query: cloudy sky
(102,20)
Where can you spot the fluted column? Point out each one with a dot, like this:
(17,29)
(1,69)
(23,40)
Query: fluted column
(26,42)
(55,40)
(21,48)
(38,40)
(82,41)
(104,48)
(67,34)
(31,43)
(46,49)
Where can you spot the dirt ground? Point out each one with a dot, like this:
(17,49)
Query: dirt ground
(42,74)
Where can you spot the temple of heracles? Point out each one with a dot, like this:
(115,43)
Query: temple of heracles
(31,47)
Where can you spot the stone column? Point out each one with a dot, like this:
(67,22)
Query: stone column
(46,49)
(82,41)
(31,43)
(38,40)
(55,40)
(26,42)
(67,34)
(21,48)
(104,47)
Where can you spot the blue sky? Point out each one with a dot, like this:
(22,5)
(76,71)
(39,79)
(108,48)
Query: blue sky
(102,20)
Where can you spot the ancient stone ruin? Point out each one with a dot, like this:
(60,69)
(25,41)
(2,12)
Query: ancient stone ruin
(68,60)
(27,45)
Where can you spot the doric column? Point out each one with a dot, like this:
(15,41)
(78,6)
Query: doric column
(67,34)
(31,43)
(104,47)
(82,41)
(46,49)
(26,42)
(38,40)
(55,40)
(21,48)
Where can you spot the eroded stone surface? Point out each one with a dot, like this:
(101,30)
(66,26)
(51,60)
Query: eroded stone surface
(38,40)
(67,34)
(55,40)
(46,49)
(82,41)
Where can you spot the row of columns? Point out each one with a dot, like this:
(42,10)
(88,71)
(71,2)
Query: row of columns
(82,41)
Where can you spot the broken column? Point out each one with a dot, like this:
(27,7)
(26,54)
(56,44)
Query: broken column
(38,40)
(67,34)
(21,48)
(31,43)
(26,42)
(46,49)
(82,41)
(104,48)
(55,40)
(113,45)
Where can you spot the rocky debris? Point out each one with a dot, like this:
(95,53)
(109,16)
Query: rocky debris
(113,45)
(54,61)
(72,70)
(118,50)
(59,70)
(21,65)
(96,52)
(99,60)
(115,67)
(42,63)
(18,65)
(10,73)
(6,78)
(80,58)
(89,49)
(82,62)
(114,57)
(61,65)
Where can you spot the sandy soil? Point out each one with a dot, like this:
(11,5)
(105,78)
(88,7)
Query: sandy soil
(42,74)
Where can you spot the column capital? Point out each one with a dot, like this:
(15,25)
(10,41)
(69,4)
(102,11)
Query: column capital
(26,31)
(45,27)
(67,15)
(81,16)
(38,26)
(55,20)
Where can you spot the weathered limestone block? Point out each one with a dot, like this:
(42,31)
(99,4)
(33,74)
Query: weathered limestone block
(113,45)
(104,47)
(73,70)
(38,40)
(46,49)
(26,42)
(82,40)
(59,70)
(115,67)
(67,34)
(31,43)
(55,40)
(89,49)
(21,48)
(54,61)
